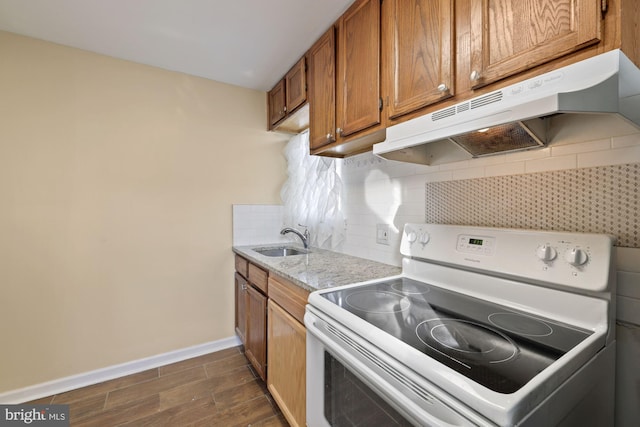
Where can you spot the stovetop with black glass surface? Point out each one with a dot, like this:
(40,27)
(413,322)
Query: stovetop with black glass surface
(494,345)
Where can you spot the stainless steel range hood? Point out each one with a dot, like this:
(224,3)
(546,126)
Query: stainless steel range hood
(517,117)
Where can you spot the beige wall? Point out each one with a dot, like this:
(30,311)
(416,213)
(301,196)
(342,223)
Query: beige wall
(116,186)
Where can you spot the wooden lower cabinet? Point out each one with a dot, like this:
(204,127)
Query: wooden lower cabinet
(241,287)
(270,323)
(251,284)
(287,348)
(286,341)
(255,347)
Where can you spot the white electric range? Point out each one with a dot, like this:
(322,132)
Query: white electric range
(484,326)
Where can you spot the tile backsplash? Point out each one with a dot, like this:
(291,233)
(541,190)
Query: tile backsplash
(602,199)
(257,224)
(572,184)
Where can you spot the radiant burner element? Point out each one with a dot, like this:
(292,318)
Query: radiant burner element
(378,302)
(521,324)
(469,341)
(410,288)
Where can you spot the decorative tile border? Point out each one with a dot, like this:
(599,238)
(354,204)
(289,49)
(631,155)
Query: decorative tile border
(591,200)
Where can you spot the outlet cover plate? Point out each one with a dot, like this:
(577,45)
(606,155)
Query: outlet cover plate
(382,234)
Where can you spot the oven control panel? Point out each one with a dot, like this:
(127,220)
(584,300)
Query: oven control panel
(578,260)
(473,244)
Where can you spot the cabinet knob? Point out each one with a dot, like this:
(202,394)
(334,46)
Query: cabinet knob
(475,76)
(339,131)
(442,87)
(328,137)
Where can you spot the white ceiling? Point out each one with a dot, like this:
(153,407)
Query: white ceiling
(249,43)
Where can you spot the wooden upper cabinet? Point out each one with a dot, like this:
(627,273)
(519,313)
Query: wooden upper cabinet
(510,36)
(277,103)
(321,60)
(418,53)
(296,85)
(358,76)
(286,97)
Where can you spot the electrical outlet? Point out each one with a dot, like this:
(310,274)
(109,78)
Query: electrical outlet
(382,234)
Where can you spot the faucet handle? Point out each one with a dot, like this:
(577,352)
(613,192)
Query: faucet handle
(306,230)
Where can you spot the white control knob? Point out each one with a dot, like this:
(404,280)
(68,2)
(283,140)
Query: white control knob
(576,256)
(412,236)
(424,238)
(546,253)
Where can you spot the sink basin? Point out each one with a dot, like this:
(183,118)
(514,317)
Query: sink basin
(282,251)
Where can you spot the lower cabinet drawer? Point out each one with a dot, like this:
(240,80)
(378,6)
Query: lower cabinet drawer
(242,266)
(258,277)
(289,296)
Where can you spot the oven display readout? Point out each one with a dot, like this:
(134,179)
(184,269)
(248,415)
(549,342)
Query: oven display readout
(480,245)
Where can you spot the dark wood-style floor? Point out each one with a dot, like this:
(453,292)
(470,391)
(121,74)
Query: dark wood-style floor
(217,389)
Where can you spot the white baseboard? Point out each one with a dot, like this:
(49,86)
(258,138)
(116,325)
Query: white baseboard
(104,374)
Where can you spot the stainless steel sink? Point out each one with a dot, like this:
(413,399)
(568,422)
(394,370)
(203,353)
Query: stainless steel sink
(281,251)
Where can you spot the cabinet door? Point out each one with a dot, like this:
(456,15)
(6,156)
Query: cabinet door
(241,307)
(358,78)
(321,59)
(509,36)
(296,85)
(418,51)
(256,345)
(287,364)
(277,103)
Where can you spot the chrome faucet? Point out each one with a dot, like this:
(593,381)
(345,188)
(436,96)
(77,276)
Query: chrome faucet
(303,236)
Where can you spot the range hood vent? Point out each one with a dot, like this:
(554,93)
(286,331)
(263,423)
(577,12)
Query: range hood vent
(517,117)
(503,138)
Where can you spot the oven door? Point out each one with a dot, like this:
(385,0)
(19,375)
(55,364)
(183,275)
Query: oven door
(351,383)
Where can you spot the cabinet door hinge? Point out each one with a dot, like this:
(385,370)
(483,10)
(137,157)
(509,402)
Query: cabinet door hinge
(380,103)
(604,6)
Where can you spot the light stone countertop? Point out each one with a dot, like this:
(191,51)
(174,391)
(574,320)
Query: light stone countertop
(319,269)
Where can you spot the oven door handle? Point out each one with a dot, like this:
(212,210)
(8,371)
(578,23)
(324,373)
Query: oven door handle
(437,415)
